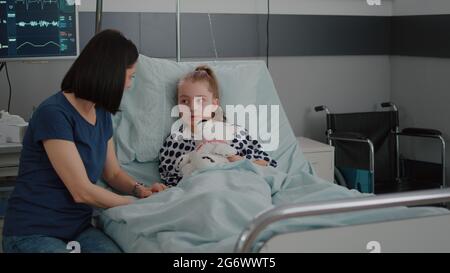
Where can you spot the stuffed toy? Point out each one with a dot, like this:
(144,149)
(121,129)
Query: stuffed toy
(212,149)
(207,154)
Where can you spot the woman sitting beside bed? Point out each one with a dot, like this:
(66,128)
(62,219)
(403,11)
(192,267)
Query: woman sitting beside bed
(202,84)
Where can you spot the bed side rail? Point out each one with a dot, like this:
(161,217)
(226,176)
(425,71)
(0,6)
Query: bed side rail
(261,221)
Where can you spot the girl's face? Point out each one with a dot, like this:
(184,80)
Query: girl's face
(196,94)
(129,76)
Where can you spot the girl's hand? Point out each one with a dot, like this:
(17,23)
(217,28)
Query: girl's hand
(158,187)
(234,158)
(143,192)
(261,162)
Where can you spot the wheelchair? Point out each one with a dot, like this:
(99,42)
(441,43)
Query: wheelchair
(367,152)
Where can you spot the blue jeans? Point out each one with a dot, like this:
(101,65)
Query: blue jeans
(91,240)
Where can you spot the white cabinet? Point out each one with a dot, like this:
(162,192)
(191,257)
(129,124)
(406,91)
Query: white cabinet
(320,155)
(9,159)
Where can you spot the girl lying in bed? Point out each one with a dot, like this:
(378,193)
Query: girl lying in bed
(202,84)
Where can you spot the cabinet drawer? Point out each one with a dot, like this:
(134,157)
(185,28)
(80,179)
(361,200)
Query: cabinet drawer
(9,159)
(9,171)
(323,164)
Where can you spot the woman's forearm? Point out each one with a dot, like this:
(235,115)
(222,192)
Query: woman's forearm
(126,184)
(96,196)
(68,165)
(122,182)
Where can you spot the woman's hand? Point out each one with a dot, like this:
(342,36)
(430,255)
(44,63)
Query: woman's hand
(261,162)
(144,192)
(234,158)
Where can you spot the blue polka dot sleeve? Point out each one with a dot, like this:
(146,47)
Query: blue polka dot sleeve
(250,148)
(171,150)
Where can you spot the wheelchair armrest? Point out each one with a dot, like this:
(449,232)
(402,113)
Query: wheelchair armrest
(358,137)
(349,135)
(420,132)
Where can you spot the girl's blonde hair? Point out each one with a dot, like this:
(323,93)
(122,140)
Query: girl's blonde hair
(203,73)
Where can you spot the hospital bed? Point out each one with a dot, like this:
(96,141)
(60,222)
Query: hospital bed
(357,225)
(408,230)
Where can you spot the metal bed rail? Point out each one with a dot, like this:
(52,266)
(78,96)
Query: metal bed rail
(253,230)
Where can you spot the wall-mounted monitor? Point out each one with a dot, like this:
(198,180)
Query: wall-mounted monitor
(38,30)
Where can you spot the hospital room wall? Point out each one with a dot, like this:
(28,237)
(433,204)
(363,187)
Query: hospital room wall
(325,7)
(345,83)
(302,81)
(342,83)
(421,86)
(31,84)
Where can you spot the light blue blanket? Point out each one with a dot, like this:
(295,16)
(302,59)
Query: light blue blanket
(208,210)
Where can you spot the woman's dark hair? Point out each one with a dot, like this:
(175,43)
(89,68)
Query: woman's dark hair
(98,74)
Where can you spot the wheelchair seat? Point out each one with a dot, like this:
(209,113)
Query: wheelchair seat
(367,152)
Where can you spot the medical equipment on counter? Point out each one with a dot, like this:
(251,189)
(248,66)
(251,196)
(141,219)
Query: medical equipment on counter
(12,127)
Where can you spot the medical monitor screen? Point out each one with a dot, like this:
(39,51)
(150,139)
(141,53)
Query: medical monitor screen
(38,29)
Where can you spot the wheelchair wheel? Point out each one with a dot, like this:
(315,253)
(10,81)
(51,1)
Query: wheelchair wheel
(339,178)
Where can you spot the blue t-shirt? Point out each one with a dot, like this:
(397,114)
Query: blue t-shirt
(41,203)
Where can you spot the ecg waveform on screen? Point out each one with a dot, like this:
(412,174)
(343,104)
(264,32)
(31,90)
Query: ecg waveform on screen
(38,46)
(27,3)
(38,29)
(41,23)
